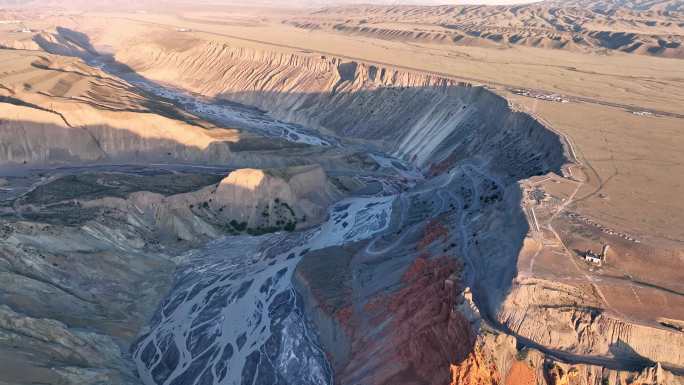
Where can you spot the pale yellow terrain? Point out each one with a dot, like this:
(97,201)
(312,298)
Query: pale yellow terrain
(648,82)
(64,109)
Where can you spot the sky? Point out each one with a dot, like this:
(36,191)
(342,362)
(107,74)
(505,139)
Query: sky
(292,2)
(433,2)
(319,3)
(495,2)
(421,2)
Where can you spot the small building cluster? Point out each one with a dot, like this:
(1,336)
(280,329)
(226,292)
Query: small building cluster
(538,195)
(538,95)
(597,259)
(642,113)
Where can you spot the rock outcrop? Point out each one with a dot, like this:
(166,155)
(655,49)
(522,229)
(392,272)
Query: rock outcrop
(75,355)
(550,315)
(74,299)
(274,197)
(420,334)
(247,200)
(59,110)
(476,369)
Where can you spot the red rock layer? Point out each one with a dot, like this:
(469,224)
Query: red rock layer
(434,231)
(442,167)
(476,369)
(419,334)
(429,335)
(413,336)
(521,374)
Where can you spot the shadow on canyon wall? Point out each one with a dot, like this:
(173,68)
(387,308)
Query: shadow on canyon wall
(625,353)
(27,142)
(498,147)
(476,127)
(439,129)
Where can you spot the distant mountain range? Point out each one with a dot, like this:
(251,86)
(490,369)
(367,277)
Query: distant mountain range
(616,5)
(649,27)
(639,5)
(654,27)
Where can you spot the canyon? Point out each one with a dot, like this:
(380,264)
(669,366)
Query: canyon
(182,208)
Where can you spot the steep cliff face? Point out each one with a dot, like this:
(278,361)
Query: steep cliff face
(420,334)
(59,110)
(33,136)
(546,313)
(420,117)
(476,369)
(401,317)
(431,121)
(43,139)
(557,373)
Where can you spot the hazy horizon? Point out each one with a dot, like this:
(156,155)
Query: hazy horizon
(271,2)
(389,2)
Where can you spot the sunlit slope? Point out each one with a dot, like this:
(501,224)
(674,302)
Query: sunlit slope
(58,109)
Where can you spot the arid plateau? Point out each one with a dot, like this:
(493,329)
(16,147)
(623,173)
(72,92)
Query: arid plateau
(338,193)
